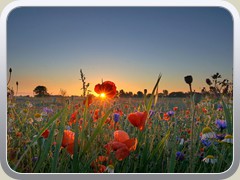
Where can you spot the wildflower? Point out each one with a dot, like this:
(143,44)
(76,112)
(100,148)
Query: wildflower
(88,100)
(204,110)
(220,136)
(210,159)
(47,110)
(11,105)
(30,120)
(181,141)
(219,107)
(187,112)
(209,82)
(68,141)
(170,113)
(96,115)
(116,117)
(34,159)
(138,119)
(24,111)
(221,124)
(18,134)
(175,108)
(208,133)
(166,117)
(29,104)
(120,136)
(151,113)
(206,142)
(73,118)
(45,134)
(179,156)
(188,79)
(107,88)
(228,139)
(38,117)
(122,145)
(110,169)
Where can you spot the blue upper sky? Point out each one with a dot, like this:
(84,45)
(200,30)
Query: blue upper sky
(130,46)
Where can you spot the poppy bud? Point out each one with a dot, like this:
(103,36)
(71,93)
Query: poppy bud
(10,70)
(145,91)
(209,82)
(188,79)
(17,83)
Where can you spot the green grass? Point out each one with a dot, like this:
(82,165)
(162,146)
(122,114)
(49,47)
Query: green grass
(157,143)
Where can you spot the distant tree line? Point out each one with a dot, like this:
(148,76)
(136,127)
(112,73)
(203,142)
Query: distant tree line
(164,93)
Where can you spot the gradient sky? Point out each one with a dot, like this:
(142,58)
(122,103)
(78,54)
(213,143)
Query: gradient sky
(129,46)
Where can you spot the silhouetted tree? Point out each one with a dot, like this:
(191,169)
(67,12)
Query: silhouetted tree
(165,92)
(176,94)
(40,91)
(139,94)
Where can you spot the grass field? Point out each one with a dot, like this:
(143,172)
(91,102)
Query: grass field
(64,135)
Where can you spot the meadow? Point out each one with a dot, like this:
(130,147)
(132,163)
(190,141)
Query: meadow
(110,134)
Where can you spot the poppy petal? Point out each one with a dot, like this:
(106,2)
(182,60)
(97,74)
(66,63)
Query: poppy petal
(120,136)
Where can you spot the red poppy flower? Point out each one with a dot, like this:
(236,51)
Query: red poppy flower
(121,145)
(138,119)
(122,153)
(68,138)
(166,117)
(108,88)
(45,134)
(73,118)
(120,136)
(175,108)
(204,110)
(89,100)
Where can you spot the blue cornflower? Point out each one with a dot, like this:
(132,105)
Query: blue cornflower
(206,142)
(221,124)
(47,110)
(170,113)
(220,136)
(116,117)
(179,156)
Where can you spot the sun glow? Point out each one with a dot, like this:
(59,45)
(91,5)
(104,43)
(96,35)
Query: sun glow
(102,95)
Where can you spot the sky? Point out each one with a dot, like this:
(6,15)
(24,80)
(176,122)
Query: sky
(127,45)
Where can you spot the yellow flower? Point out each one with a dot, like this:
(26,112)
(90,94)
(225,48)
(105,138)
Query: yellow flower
(38,117)
(228,139)
(110,169)
(207,133)
(210,159)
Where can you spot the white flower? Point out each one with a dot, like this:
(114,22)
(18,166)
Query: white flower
(228,139)
(35,143)
(182,141)
(11,105)
(207,133)
(38,117)
(44,114)
(210,159)
(110,169)
(29,104)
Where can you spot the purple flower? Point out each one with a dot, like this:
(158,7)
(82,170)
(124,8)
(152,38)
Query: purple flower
(206,142)
(116,117)
(47,110)
(219,107)
(221,124)
(220,136)
(34,159)
(151,113)
(179,156)
(170,113)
